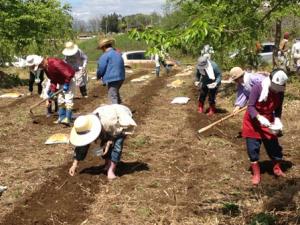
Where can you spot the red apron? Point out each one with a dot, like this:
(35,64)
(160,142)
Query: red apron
(252,128)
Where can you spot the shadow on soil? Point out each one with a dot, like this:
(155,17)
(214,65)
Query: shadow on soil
(65,200)
(123,168)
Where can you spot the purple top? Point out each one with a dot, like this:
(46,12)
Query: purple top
(243,90)
(253,98)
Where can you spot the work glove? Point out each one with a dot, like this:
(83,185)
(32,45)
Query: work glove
(50,95)
(196,83)
(263,121)
(212,85)
(276,127)
(66,87)
(278,123)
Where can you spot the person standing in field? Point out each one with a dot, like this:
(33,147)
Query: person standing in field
(76,58)
(208,80)
(34,76)
(157,64)
(262,123)
(111,70)
(60,73)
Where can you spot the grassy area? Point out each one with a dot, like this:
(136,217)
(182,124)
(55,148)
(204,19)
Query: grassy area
(123,43)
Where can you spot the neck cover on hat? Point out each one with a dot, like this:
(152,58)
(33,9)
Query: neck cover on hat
(210,71)
(266,83)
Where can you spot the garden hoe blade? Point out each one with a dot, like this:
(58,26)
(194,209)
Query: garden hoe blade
(34,120)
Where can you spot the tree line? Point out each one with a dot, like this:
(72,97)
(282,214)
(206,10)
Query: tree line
(116,23)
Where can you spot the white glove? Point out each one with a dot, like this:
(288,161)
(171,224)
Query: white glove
(196,83)
(263,121)
(278,123)
(80,67)
(212,85)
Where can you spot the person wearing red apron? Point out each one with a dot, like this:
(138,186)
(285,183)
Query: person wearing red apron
(261,123)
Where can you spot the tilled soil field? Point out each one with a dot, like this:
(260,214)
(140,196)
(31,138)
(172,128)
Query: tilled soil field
(168,174)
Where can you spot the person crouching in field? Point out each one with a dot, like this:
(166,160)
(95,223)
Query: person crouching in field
(59,73)
(110,124)
(78,60)
(111,70)
(245,81)
(262,123)
(208,80)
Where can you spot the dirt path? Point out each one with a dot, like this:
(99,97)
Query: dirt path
(65,199)
(168,175)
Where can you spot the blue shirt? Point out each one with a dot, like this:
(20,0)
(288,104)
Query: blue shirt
(111,67)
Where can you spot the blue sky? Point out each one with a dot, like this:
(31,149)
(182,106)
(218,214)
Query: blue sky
(86,9)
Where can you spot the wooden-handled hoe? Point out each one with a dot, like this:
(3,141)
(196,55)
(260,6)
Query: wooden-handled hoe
(38,103)
(220,121)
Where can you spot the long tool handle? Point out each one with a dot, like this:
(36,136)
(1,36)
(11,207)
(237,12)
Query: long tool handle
(220,120)
(38,103)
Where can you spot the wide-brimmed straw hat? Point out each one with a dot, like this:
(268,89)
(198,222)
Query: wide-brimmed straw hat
(34,60)
(106,41)
(86,129)
(70,49)
(236,73)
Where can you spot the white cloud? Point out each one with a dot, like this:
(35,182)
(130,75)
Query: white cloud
(86,9)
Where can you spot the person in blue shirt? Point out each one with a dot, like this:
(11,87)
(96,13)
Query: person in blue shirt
(111,70)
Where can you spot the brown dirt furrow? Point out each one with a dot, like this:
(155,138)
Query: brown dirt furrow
(65,199)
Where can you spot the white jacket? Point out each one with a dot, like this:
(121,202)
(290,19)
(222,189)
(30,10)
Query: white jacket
(296,50)
(116,119)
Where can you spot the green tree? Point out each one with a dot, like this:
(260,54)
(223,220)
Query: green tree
(110,23)
(33,26)
(225,24)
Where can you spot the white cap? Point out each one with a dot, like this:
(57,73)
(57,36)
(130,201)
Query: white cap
(34,60)
(279,78)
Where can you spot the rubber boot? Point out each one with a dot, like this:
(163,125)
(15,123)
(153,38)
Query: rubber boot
(49,110)
(83,91)
(211,110)
(111,171)
(200,107)
(256,173)
(55,106)
(277,170)
(61,115)
(68,118)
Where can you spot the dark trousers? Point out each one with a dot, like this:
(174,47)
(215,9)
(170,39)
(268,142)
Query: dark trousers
(274,150)
(32,81)
(83,90)
(212,93)
(113,92)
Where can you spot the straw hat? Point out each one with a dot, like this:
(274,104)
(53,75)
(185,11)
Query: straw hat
(86,129)
(34,60)
(106,41)
(236,73)
(70,49)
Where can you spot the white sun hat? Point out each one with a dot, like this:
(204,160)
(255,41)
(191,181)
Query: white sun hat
(34,60)
(86,129)
(279,80)
(202,62)
(70,49)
